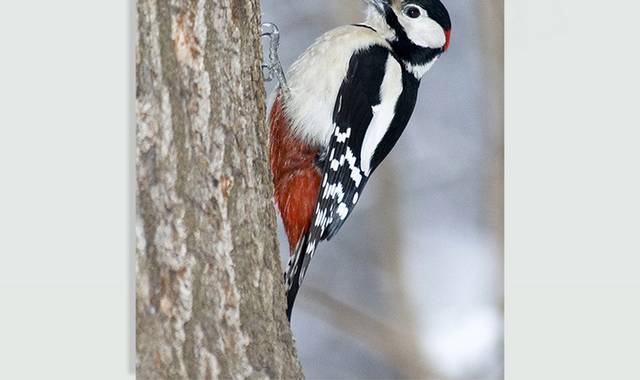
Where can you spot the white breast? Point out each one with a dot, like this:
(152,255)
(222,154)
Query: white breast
(315,79)
(418,71)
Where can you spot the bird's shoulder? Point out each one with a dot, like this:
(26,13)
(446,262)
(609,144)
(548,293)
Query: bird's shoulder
(354,35)
(316,76)
(343,41)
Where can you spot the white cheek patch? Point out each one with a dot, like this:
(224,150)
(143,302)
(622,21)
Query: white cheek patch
(423,31)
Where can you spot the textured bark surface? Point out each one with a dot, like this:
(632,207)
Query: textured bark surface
(210,299)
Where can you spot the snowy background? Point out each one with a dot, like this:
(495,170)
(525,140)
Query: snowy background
(411,287)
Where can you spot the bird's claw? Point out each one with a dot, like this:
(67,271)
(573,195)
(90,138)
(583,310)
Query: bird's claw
(273,68)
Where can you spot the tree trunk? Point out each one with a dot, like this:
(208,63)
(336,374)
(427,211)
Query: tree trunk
(210,298)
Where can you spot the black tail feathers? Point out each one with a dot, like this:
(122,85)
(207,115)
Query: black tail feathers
(292,292)
(295,273)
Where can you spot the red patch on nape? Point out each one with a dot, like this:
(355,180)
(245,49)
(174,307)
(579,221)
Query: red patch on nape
(295,177)
(447,34)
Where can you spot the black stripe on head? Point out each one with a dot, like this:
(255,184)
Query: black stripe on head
(404,48)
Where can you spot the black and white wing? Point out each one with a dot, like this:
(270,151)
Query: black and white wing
(362,115)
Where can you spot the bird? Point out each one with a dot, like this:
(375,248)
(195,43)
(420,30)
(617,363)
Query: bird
(349,97)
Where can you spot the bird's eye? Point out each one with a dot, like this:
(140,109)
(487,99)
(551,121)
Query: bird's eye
(411,11)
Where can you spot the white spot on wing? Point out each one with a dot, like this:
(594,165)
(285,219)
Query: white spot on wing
(342,137)
(342,211)
(339,192)
(356,175)
(311,247)
(320,218)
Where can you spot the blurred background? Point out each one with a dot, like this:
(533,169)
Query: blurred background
(412,286)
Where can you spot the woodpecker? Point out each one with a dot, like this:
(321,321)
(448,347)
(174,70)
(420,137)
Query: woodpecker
(350,96)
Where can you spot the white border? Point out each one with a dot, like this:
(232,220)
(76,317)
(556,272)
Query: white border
(572,190)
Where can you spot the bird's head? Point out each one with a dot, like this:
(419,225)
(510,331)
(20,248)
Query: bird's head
(415,28)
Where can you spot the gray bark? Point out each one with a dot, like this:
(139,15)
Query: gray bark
(209,293)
